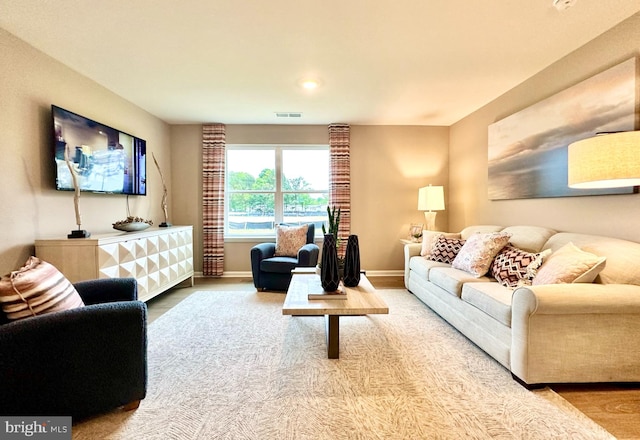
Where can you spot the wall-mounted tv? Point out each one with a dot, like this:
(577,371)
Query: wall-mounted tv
(105,160)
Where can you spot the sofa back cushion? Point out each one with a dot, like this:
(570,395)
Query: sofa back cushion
(622,255)
(483,229)
(529,238)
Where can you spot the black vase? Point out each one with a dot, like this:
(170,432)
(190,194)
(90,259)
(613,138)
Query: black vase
(329,277)
(352,262)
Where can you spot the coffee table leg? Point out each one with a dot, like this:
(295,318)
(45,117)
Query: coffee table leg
(333,336)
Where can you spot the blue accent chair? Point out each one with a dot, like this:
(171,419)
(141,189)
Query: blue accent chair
(274,273)
(78,362)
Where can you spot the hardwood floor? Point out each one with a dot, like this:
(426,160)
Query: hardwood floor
(616,407)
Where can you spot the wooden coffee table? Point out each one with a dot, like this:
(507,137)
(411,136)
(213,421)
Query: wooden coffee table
(360,300)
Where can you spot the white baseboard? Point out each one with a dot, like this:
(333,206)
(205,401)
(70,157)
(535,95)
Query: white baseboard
(247,274)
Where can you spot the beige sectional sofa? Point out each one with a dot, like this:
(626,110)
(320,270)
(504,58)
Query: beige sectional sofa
(549,333)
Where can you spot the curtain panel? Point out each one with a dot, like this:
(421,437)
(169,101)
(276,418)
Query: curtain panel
(213,166)
(340,179)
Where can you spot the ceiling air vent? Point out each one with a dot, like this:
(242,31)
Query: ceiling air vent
(288,115)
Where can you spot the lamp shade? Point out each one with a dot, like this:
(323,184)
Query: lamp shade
(605,161)
(431,198)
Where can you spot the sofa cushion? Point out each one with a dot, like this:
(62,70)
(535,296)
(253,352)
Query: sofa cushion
(289,240)
(622,255)
(452,280)
(482,229)
(445,249)
(491,298)
(515,267)
(569,264)
(421,266)
(478,252)
(278,264)
(429,238)
(35,289)
(529,238)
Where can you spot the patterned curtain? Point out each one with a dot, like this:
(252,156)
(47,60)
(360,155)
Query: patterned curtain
(213,156)
(340,179)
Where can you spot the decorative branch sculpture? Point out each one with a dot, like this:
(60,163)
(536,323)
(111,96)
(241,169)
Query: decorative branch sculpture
(78,233)
(163,203)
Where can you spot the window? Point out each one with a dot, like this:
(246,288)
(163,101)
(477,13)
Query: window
(268,185)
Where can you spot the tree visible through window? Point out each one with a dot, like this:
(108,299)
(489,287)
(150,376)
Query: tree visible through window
(275,184)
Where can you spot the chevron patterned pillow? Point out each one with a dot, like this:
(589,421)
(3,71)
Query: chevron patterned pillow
(36,288)
(514,267)
(445,249)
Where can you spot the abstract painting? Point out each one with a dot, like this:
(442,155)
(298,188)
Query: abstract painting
(528,150)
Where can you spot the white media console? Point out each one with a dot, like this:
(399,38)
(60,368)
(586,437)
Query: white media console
(158,258)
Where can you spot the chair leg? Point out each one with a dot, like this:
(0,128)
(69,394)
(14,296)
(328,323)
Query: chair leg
(131,405)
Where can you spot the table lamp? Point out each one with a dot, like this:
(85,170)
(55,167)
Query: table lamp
(430,199)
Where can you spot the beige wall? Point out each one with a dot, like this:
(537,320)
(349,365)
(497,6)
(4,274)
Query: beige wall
(388,165)
(604,215)
(31,208)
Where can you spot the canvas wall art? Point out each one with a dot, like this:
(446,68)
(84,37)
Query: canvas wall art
(528,150)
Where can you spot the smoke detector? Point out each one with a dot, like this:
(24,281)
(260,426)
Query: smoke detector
(561,5)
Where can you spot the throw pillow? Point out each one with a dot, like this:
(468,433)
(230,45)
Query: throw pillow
(35,289)
(478,252)
(514,267)
(429,238)
(289,240)
(445,249)
(569,264)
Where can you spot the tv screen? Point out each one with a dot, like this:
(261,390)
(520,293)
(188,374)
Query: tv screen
(105,160)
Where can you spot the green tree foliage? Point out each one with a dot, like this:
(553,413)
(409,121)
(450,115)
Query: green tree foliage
(264,203)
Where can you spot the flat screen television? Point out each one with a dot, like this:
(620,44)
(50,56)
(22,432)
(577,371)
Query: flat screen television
(105,160)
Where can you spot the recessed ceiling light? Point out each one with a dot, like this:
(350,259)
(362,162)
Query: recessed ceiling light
(310,84)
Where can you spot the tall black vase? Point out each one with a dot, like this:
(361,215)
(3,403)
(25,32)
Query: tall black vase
(329,276)
(352,262)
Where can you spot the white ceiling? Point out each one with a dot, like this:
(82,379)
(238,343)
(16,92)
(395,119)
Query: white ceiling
(413,62)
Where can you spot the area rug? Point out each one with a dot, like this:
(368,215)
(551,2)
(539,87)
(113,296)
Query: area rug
(229,365)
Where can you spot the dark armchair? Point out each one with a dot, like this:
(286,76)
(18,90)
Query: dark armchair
(274,273)
(77,362)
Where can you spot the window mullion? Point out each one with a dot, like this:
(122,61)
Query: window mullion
(279,198)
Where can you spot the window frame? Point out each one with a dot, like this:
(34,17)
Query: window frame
(277,192)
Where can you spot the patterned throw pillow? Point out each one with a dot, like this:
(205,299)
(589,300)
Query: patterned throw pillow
(514,267)
(35,289)
(289,240)
(445,249)
(478,252)
(569,264)
(430,237)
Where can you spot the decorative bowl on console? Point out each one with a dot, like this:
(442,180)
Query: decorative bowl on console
(132,224)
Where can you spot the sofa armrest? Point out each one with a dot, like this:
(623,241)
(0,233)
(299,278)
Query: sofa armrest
(576,333)
(577,298)
(106,290)
(76,362)
(258,253)
(410,250)
(308,255)
(263,250)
